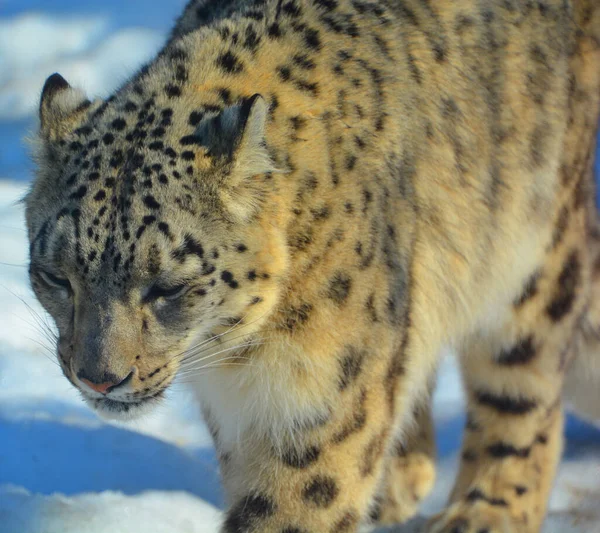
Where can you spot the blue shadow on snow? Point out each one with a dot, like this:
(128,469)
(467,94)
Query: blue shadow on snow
(48,457)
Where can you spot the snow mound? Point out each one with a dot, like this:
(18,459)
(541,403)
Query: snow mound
(150,512)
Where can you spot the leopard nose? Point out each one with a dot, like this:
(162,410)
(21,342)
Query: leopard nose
(109,383)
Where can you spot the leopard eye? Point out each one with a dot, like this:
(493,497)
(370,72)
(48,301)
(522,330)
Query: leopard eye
(55,282)
(166,293)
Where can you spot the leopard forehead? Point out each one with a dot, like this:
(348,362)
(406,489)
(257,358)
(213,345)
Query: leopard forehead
(123,203)
(138,178)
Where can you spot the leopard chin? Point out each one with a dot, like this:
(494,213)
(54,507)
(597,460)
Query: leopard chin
(113,409)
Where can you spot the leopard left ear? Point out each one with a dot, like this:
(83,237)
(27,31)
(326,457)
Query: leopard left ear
(62,107)
(237,129)
(235,138)
(244,188)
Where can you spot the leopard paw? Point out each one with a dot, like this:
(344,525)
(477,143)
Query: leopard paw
(477,517)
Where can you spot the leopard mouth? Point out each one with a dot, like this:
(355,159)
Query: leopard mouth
(111,408)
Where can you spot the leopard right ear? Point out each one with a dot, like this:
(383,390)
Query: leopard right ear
(62,108)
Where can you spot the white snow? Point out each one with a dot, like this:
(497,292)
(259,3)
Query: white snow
(79,48)
(149,512)
(63,470)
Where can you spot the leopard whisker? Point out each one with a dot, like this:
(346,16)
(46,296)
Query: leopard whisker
(238,325)
(231,348)
(190,371)
(195,353)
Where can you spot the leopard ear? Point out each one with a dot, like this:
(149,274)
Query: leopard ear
(61,108)
(249,146)
(237,128)
(235,137)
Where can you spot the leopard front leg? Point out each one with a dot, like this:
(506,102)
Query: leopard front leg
(320,480)
(514,378)
(320,476)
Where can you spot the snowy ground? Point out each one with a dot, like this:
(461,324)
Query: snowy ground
(62,470)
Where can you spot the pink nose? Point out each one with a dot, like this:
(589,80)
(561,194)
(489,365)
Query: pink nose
(111,383)
(99,387)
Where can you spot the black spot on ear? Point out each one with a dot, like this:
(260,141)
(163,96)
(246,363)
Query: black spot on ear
(53,85)
(321,491)
(220,135)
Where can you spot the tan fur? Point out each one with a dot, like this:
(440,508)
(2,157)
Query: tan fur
(296,206)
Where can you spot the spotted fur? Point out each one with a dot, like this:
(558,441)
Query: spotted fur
(296,205)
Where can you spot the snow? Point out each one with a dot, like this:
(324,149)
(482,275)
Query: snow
(78,48)
(62,469)
(152,512)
